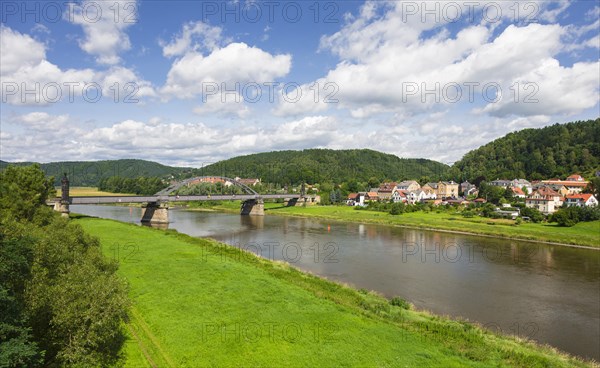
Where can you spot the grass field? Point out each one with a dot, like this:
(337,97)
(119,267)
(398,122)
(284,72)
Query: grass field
(200,303)
(88,192)
(584,233)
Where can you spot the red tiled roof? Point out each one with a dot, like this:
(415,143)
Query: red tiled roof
(352,195)
(584,196)
(517,190)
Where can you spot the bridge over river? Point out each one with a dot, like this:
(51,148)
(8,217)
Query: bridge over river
(156,207)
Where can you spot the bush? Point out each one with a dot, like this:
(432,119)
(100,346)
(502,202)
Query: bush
(399,302)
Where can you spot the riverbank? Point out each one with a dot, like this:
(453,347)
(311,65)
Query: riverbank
(583,234)
(197,302)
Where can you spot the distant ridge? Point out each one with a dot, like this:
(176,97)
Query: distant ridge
(89,173)
(558,150)
(325,165)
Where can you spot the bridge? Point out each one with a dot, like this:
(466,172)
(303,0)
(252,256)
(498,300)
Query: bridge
(156,206)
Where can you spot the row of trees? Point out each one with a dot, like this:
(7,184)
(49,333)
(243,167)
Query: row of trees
(61,301)
(140,185)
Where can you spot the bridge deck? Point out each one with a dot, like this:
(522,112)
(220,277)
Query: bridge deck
(173,198)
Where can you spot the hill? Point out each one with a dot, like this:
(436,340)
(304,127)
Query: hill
(89,173)
(325,165)
(554,151)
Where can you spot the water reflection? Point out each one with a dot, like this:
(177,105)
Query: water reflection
(547,293)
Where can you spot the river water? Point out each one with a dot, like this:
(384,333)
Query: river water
(546,293)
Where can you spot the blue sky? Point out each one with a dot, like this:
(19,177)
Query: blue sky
(188,83)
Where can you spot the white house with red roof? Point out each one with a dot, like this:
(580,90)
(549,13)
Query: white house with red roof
(545,200)
(581,200)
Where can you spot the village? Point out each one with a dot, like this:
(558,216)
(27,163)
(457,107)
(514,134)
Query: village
(546,196)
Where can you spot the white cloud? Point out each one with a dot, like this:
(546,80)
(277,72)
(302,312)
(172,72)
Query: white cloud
(194,36)
(24,68)
(234,63)
(385,55)
(104,24)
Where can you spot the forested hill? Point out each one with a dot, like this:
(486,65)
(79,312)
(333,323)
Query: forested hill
(325,165)
(89,173)
(554,151)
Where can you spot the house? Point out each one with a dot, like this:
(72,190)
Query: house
(508,212)
(458,202)
(417,196)
(371,196)
(518,192)
(386,190)
(356,199)
(466,188)
(409,185)
(574,183)
(399,196)
(210,180)
(544,200)
(581,200)
(501,183)
(430,187)
(447,189)
(248,182)
(522,183)
(561,189)
(575,177)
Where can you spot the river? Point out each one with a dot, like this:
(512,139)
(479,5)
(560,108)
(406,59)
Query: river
(547,293)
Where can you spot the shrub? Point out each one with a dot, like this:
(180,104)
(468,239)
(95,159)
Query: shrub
(399,302)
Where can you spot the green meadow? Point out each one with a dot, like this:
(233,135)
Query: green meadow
(199,303)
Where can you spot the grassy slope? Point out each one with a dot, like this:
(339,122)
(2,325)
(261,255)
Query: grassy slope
(584,233)
(198,303)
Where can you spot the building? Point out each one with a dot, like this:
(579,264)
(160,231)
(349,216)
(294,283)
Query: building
(581,200)
(467,188)
(545,200)
(356,199)
(518,192)
(575,183)
(386,190)
(371,196)
(248,182)
(399,196)
(501,183)
(409,185)
(522,183)
(447,189)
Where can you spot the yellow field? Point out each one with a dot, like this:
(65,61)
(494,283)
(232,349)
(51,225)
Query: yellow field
(88,192)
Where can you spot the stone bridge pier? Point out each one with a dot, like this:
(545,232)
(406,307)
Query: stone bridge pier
(155,213)
(253,207)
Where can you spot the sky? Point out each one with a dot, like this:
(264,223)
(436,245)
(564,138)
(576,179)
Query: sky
(189,83)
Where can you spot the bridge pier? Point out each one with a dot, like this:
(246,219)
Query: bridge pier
(253,207)
(155,213)
(62,207)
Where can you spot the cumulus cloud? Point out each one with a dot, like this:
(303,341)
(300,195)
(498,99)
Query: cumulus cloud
(234,63)
(392,63)
(28,78)
(104,24)
(194,36)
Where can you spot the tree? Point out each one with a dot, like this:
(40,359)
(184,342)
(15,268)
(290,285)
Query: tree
(61,300)
(24,192)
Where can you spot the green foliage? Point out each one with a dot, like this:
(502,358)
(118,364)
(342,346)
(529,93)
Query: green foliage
(140,185)
(23,193)
(491,193)
(553,151)
(569,216)
(208,189)
(399,302)
(534,214)
(61,300)
(324,165)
